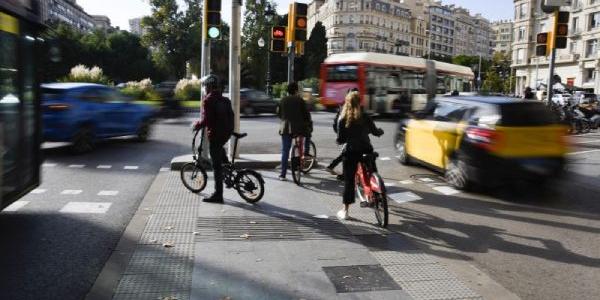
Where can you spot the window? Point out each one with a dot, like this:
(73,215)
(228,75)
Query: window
(591,48)
(522,10)
(573,46)
(589,75)
(595,20)
(521,33)
(575,25)
(520,56)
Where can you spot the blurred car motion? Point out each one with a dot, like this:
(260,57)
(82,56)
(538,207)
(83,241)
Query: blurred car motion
(256,102)
(484,140)
(83,113)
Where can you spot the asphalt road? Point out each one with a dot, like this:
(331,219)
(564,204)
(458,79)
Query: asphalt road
(539,244)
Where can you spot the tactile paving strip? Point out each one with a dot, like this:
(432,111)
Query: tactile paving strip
(153,283)
(180,295)
(174,238)
(439,289)
(180,250)
(169,223)
(179,211)
(388,258)
(269,228)
(143,265)
(419,272)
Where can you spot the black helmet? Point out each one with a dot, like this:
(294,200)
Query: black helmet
(210,81)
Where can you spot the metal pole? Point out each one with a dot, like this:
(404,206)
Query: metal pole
(204,70)
(537,68)
(479,74)
(550,90)
(291,57)
(269,66)
(234,68)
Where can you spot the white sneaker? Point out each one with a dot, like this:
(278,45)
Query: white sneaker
(281,178)
(342,214)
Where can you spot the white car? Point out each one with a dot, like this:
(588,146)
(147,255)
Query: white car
(561,99)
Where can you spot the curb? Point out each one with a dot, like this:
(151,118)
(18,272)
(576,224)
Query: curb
(108,279)
(246,161)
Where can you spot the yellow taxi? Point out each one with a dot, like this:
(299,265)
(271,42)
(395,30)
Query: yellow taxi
(484,140)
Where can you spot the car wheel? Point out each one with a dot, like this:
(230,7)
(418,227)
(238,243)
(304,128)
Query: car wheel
(143,132)
(83,141)
(403,157)
(248,110)
(456,174)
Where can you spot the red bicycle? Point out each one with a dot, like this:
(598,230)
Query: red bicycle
(370,187)
(301,163)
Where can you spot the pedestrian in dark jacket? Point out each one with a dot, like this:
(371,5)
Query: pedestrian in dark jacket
(354,128)
(217,117)
(295,121)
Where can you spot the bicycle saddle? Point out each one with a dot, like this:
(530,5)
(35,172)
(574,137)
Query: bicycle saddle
(239,135)
(371,156)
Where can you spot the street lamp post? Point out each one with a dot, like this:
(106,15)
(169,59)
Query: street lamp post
(269,14)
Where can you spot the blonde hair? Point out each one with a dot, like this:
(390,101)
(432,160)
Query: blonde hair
(351,110)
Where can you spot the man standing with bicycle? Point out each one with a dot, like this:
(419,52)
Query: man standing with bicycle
(295,121)
(217,117)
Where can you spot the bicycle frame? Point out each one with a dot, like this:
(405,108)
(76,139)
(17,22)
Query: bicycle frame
(370,183)
(299,142)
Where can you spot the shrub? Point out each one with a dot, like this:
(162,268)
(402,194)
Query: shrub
(141,90)
(280,90)
(188,89)
(81,73)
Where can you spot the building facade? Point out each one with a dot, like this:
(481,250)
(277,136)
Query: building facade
(363,25)
(578,65)
(409,27)
(135,26)
(101,22)
(68,12)
(503,36)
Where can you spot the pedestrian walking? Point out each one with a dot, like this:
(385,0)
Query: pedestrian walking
(217,117)
(295,121)
(354,128)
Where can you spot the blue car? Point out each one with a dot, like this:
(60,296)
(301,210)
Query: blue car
(83,113)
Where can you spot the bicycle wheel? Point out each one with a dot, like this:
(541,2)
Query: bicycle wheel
(250,185)
(380,204)
(310,161)
(193,177)
(295,163)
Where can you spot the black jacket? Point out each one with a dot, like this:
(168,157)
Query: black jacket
(356,136)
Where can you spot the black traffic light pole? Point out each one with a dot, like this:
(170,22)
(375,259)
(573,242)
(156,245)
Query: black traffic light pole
(291,58)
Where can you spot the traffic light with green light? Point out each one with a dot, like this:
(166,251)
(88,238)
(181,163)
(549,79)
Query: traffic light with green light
(212,19)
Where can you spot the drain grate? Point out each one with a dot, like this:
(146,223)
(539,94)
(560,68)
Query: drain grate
(254,228)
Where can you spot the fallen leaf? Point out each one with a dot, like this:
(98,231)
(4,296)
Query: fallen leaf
(346,276)
(168,245)
(195,233)
(360,278)
(245,236)
(252,222)
(259,260)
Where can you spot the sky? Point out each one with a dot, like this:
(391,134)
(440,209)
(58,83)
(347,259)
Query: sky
(120,11)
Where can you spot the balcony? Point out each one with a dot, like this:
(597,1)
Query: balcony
(572,57)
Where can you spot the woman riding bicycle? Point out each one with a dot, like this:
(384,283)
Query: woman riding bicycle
(354,128)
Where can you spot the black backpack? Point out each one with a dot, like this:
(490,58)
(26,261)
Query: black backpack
(226,117)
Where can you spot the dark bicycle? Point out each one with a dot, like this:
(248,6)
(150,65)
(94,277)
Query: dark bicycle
(248,183)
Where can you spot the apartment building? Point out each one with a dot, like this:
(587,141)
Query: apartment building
(68,12)
(578,65)
(502,36)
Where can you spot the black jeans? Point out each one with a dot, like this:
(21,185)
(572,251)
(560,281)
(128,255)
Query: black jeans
(218,157)
(351,160)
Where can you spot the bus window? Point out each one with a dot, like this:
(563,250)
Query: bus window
(342,73)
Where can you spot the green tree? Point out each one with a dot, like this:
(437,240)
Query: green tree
(254,58)
(315,50)
(173,35)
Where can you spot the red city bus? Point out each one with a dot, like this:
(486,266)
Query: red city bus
(386,82)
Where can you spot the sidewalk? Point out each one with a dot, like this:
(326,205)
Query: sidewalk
(288,246)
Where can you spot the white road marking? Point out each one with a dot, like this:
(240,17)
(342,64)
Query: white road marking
(108,193)
(165,169)
(131,167)
(86,207)
(77,166)
(71,192)
(404,197)
(446,190)
(583,152)
(16,205)
(385,158)
(390,184)
(321,217)
(38,191)
(48,165)
(104,167)
(407,182)
(425,179)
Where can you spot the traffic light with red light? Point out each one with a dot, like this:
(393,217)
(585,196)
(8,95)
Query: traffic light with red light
(212,19)
(278,39)
(561,29)
(542,48)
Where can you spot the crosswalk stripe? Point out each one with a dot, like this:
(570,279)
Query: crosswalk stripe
(38,191)
(108,193)
(407,182)
(86,207)
(131,167)
(77,166)
(104,167)
(385,158)
(446,190)
(16,205)
(48,165)
(71,192)
(404,197)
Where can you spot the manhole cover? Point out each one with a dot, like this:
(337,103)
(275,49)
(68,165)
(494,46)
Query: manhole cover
(365,278)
